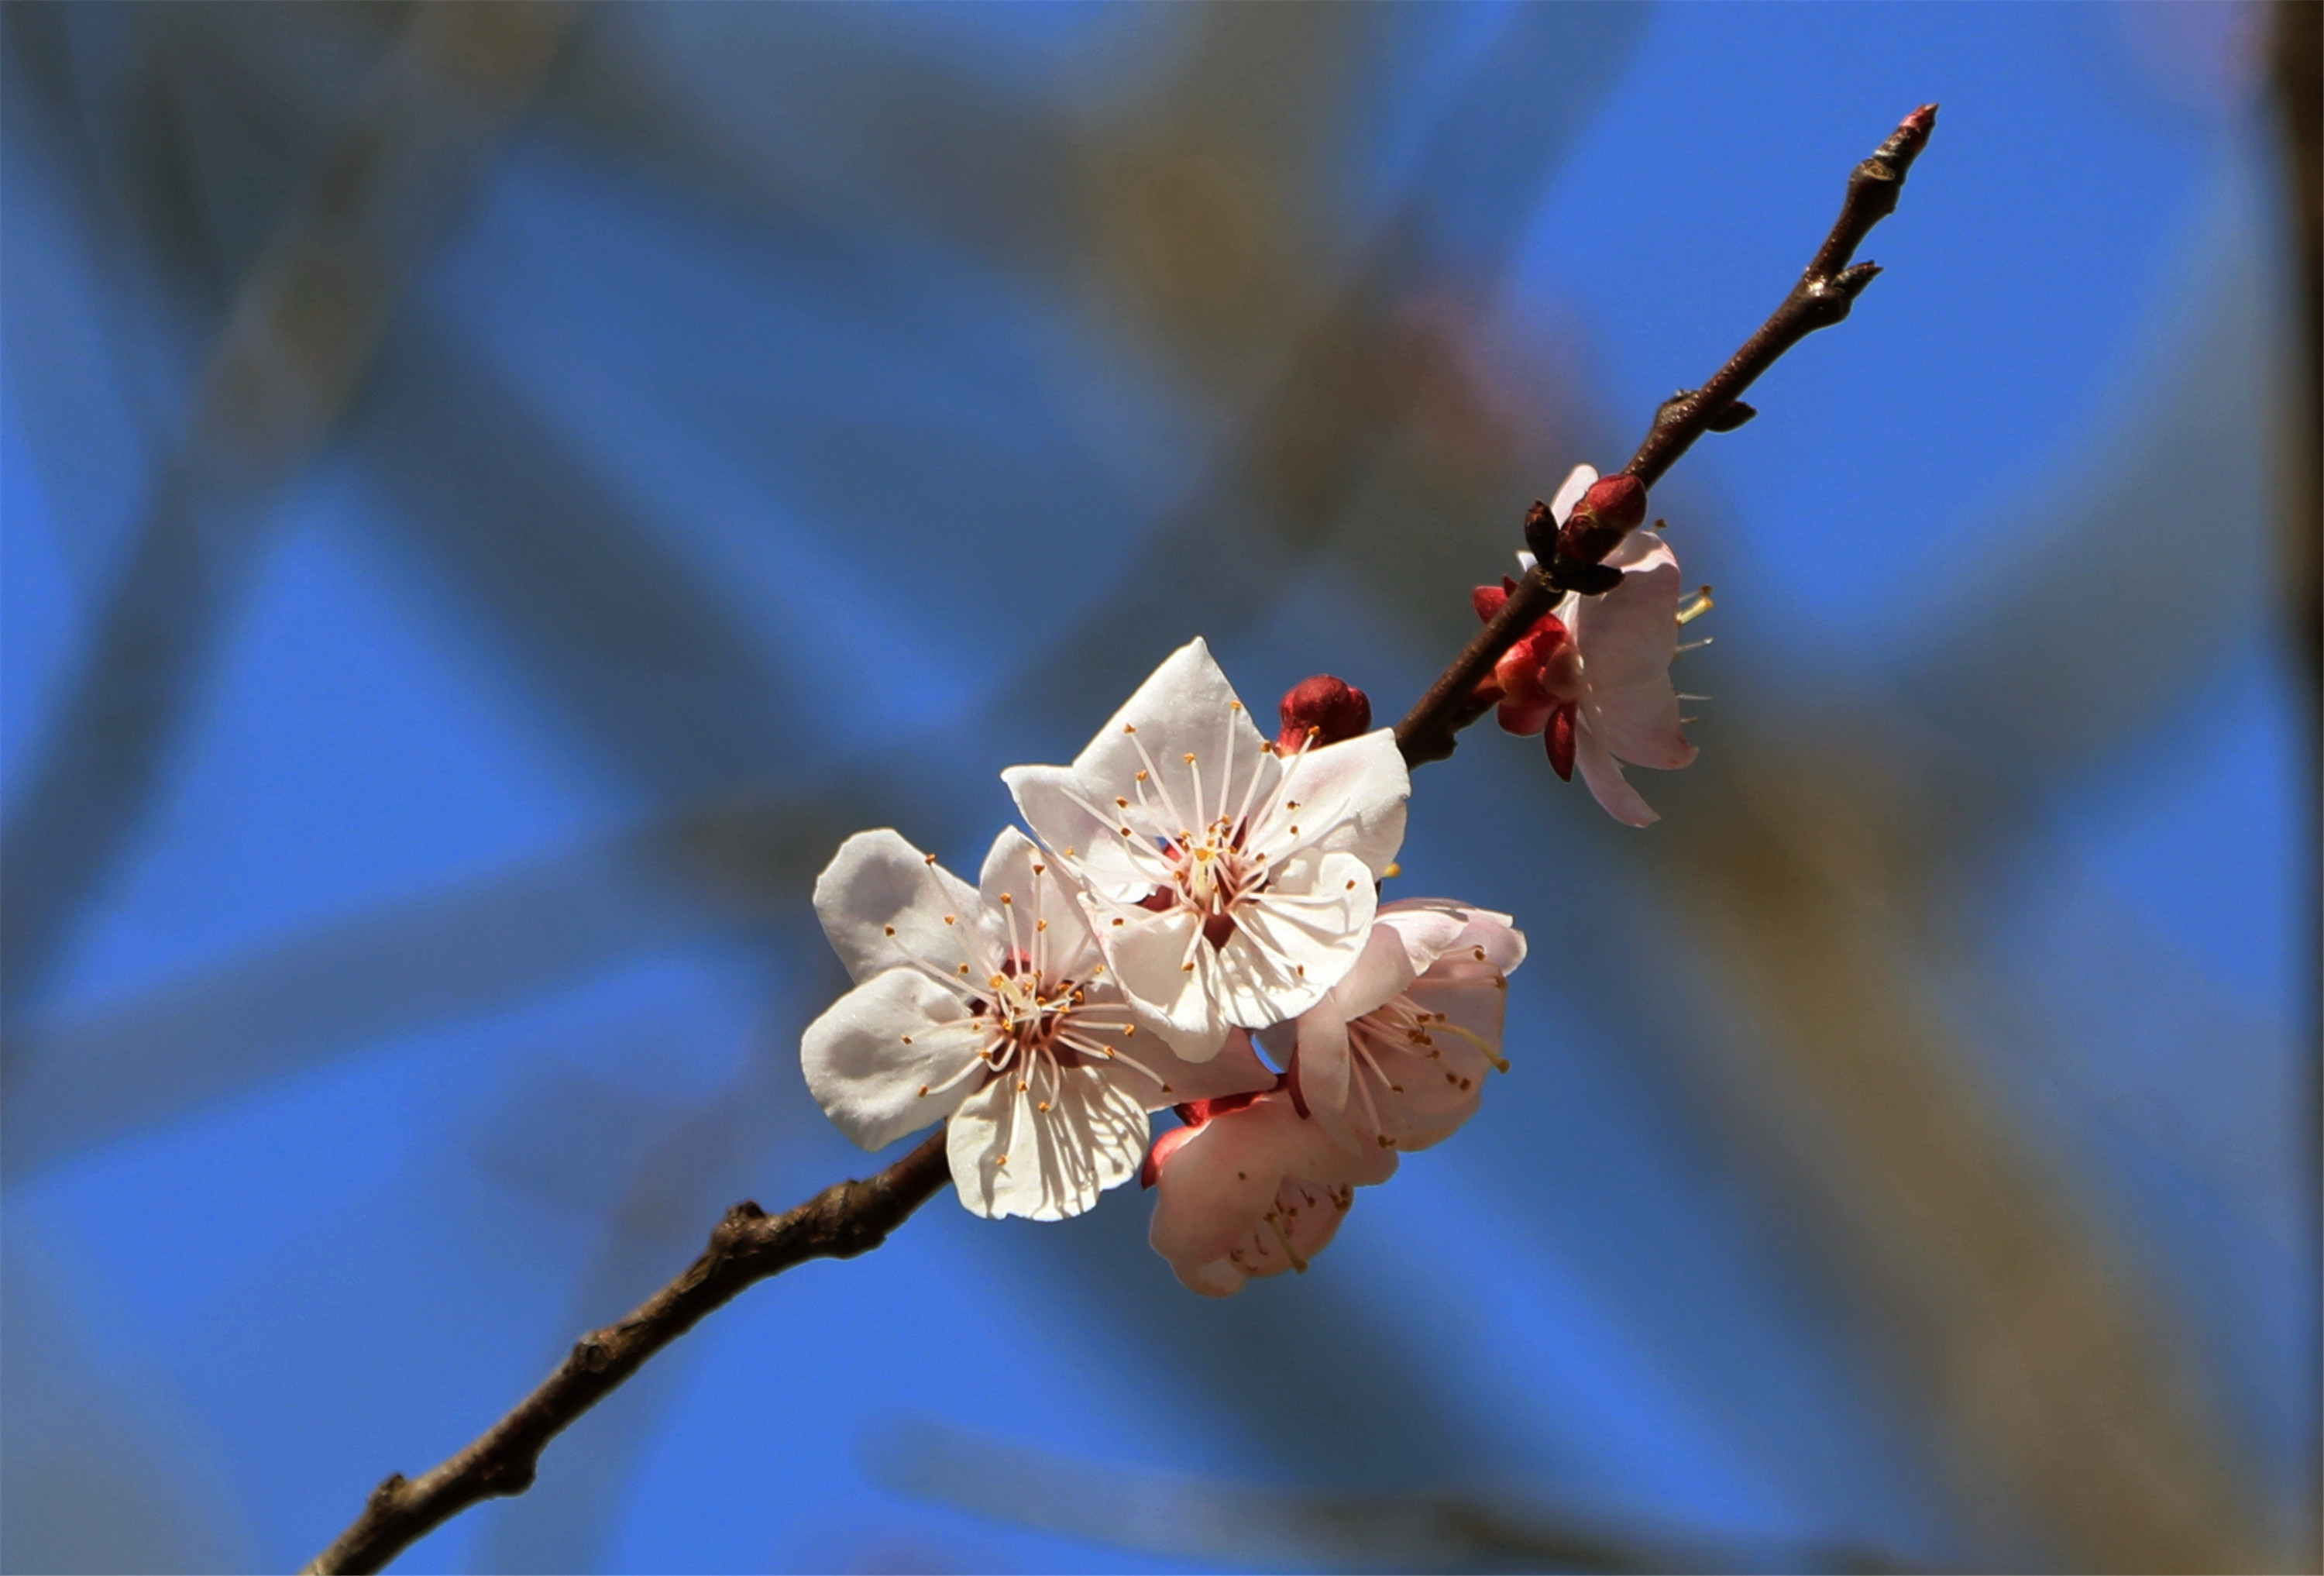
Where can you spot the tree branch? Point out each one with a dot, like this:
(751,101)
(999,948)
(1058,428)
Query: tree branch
(849,1217)
(844,1220)
(1822,297)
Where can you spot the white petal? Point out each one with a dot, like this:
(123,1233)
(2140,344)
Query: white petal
(1236,1069)
(1149,954)
(1019,879)
(1578,481)
(1297,939)
(864,1073)
(1103,855)
(1011,1157)
(1185,707)
(1348,796)
(877,881)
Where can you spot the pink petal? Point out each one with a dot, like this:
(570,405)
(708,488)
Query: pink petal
(1607,783)
(1628,639)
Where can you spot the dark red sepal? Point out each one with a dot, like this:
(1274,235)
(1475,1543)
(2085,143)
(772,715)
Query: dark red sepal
(1559,738)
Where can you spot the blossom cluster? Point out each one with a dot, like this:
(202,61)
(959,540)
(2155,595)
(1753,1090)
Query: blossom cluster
(1192,892)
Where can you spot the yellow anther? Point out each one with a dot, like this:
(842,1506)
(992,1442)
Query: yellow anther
(1394,869)
(1043,1105)
(1006,899)
(1040,924)
(1141,774)
(1117,922)
(1190,758)
(924,1091)
(998,980)
(930,858)
(1203,854)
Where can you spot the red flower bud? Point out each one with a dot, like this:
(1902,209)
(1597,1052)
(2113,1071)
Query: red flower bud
(1487,599)
(1613,508)
(1323,709)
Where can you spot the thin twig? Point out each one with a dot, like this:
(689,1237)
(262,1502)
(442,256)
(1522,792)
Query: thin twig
(849,1217)
(1822,297)
(844,1220)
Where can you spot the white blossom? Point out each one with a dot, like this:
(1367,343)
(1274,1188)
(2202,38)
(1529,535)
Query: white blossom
(1228,885)
(989,1005)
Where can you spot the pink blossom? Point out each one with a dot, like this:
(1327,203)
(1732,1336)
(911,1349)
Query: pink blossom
(1249,1187)
(1394,1056)
(1593,676)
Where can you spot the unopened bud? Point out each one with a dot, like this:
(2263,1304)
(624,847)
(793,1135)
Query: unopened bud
(1323,710)
(1487,599)
(1613,508)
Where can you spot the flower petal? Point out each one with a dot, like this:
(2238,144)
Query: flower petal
(1346,797)
(1628,639)
(1148,952)
(1098,851)
(1018,879)
(1011,1157)
(1578,481)
(868,1058)
(1184,707)
(1217,1187)
(1322,1070)
(1429,927)
(1295,940)
(882,903)
(1604,775)
(1236,1069)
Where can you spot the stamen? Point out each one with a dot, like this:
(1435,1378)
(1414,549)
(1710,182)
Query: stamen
(1298,1264)
(1161,786)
